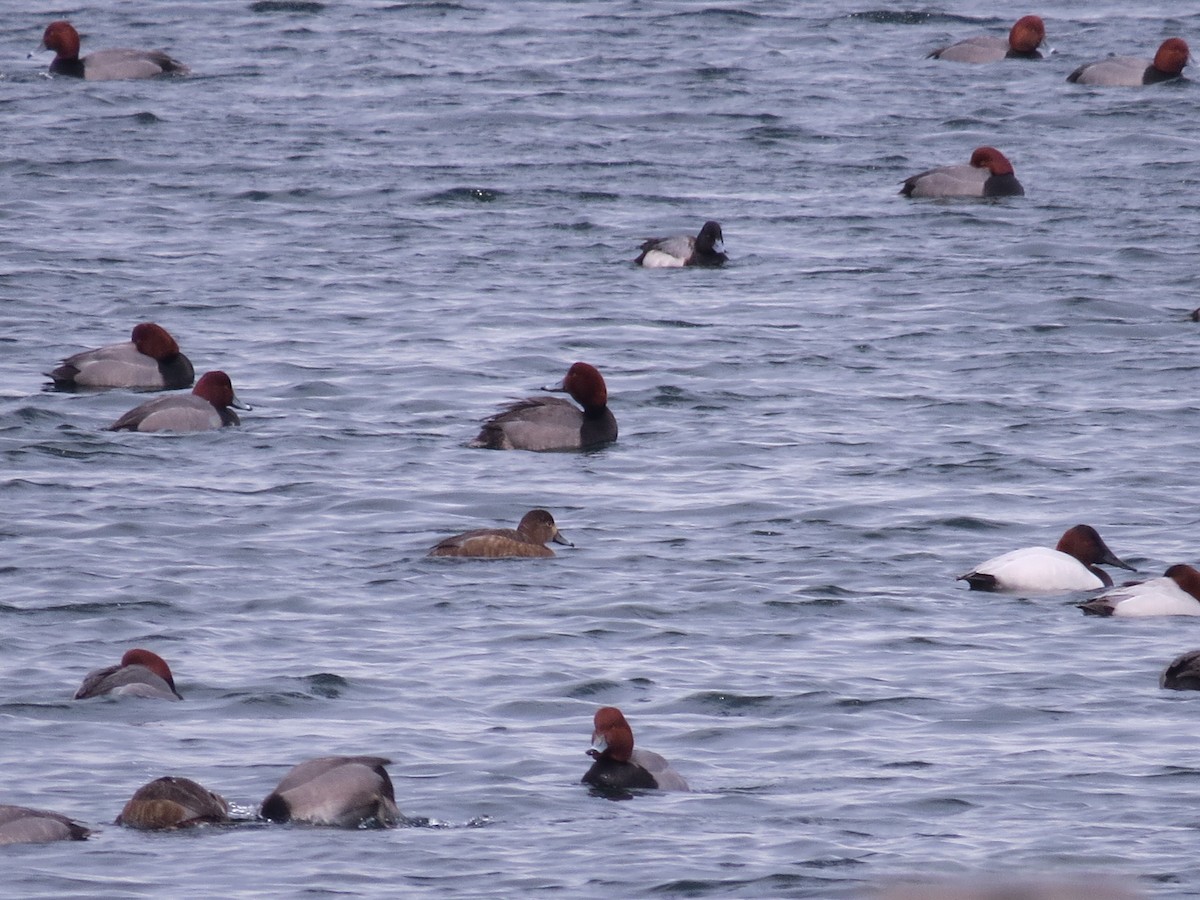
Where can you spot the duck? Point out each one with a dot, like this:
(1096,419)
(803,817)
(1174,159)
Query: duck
(1023,41)
(22,825)
(618,766)
(989,174)
(549,423)
(206,408)
(684,250)
(103,65)
(1182,673)
(343,791)
(1070,566)
(149,360)
(536,528)
(1131,71)
(172,802)
(1176,593)
(141,673)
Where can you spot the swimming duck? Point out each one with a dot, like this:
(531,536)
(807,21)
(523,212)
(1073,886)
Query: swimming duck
(989,174)
(150,359)
(172,802)
(103,65)
(619,766)
(536,528)
(684,250)
(1070,566)
(1130,71)
(1176,593)
(549,423)
(1022,42)
(344,791)
(141,673)
(206,408)
(1183,673)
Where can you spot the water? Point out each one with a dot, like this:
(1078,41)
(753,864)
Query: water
(385,219)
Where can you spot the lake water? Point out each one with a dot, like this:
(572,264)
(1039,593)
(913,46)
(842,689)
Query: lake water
(384,219)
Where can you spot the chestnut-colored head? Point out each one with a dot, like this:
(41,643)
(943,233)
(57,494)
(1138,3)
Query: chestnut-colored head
(991,159)
(611,734)
(62,38)
(1172,56)
(1027,34)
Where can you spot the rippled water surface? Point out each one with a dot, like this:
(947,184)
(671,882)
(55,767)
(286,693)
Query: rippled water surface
(384,219)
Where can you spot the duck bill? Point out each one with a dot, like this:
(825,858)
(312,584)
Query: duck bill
(238,404)
(1110,559)
(559,538)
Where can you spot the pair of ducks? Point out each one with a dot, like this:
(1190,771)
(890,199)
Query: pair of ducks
(1073,566)
(1028,34)
(151,360)
(338,791)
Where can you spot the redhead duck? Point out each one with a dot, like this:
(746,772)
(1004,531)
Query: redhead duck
(1070,566)
(684,250)
(618,766)
(149,359)
(1130,71)
(204,409)
(171,802)
(103,65)
(1022,42)
(536,528)
(344,791)
(989,174)
(22,825)
(1176,593)
(140,674)
(548,423)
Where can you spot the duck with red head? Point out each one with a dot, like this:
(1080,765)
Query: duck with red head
(989,174)
(149,360)
(103,65)
(548,423)
(206,408)
(1070,566)
(140,674)
(1176,593)
(618,766)
(1023,41)
(1132,71)
(22,825)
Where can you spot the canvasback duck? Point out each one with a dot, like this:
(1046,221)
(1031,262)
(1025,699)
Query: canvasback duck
(150,359)
(22,825)
(549,423)
(1022,42)
(1070,566)
(140,674)
(1176,593)
(989,174)
(172,802)
(1131,71)
(535,530)
(1182,673)
(206,408)
(684,250)
(344,791)
(103,65)
(618,766)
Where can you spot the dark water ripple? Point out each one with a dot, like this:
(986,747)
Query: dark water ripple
(383,222)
